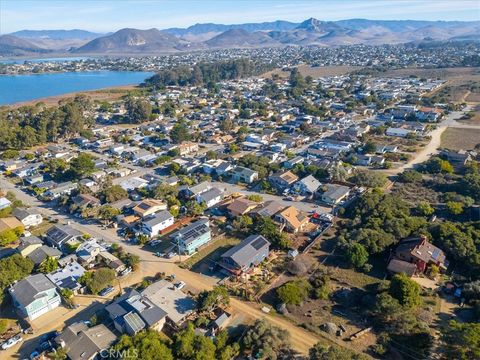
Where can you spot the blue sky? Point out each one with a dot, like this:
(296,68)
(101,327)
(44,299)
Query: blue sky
(105,15)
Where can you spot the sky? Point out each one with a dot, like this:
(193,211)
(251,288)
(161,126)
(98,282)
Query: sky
(109,15)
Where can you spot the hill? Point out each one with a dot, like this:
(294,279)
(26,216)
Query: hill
(14,46)
(130,41)
(238,38)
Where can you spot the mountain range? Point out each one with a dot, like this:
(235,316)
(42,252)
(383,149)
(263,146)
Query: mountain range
(249,35)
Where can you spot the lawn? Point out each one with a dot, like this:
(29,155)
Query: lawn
(211,252)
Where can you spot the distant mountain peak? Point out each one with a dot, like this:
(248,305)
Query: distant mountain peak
(316,25)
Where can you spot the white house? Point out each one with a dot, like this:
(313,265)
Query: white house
(28,217)
(4,203)
(154,224)
(210,197)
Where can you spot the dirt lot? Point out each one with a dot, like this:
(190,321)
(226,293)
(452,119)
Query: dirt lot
(442,73)
(315,72)
(460,138)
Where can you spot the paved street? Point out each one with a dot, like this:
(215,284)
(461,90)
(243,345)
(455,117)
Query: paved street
(149,266)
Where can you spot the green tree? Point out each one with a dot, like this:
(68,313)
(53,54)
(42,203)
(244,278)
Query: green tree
(265,341)
(294,292)
(370,179)
(461,340)
(107,212)
(114,193)
(405,290)
(48,265)
(357,255)
(98,280)
(255,197)
(370,147)
(321,286)
(454,207)
(242,224)
(13,268)
(82,165)
(322,352)
(138,109)
(410,176)
(209,300)
(147,344)
(180,133)
(425,209)
(7,237)
(194,208)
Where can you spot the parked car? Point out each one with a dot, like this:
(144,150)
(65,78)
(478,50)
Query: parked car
(171,254)
(127,271)
(154,242)
(180,285)
(48,336)
(34,355)
(106,291)
(11,342)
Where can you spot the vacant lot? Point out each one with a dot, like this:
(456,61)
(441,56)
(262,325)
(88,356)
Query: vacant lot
(441,73)
(459,138)
(107,94)
(315,72)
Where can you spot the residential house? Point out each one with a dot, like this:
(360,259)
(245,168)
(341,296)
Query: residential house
(173,301)
(210,197)
(67,277)
(192,236)
(28,217)
(111,261)
(293,219)
(34,296)
(283,180)
(420,252)
(10,223)
(458,159)
(83,343)
(242,257)
(187,148)
(65,188)
(290,163)
(149,207)
(334,194)
(133,312)
(133,183)
(307,186)
(245,175)
(241,206)
(40,254)
(86,200)
(155,223)
(4,203)
(195,190)
(28,244)
(88,251)
(60,235)
(398,132)
(268,209)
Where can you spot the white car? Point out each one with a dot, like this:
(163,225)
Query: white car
(127,271)
(180,285)
(11,342)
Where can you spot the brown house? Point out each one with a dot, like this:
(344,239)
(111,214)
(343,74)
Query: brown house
(241,206)
(293,219)
(419,252)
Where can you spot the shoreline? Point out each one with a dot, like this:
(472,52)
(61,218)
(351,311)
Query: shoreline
(55,99)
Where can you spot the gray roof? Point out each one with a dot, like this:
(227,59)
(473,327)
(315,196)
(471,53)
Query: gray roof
(311,183)
(336,191)
(244,171)
(211,194)
(27,290)
(191,232)
(27,241)
(200,188)
(242,253)
(134,321)
(133,301)
(58,234)
(268,208)
(158,218)
(21,214)
(83,342)
(39,255)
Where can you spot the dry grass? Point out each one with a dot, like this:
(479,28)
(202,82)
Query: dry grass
(442,73)
(107,94)
(460,138)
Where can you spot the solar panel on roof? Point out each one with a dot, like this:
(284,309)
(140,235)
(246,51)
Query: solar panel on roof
(259,243)
(435,254)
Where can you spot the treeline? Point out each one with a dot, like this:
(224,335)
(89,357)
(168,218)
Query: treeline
(28,126)
(207,73)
